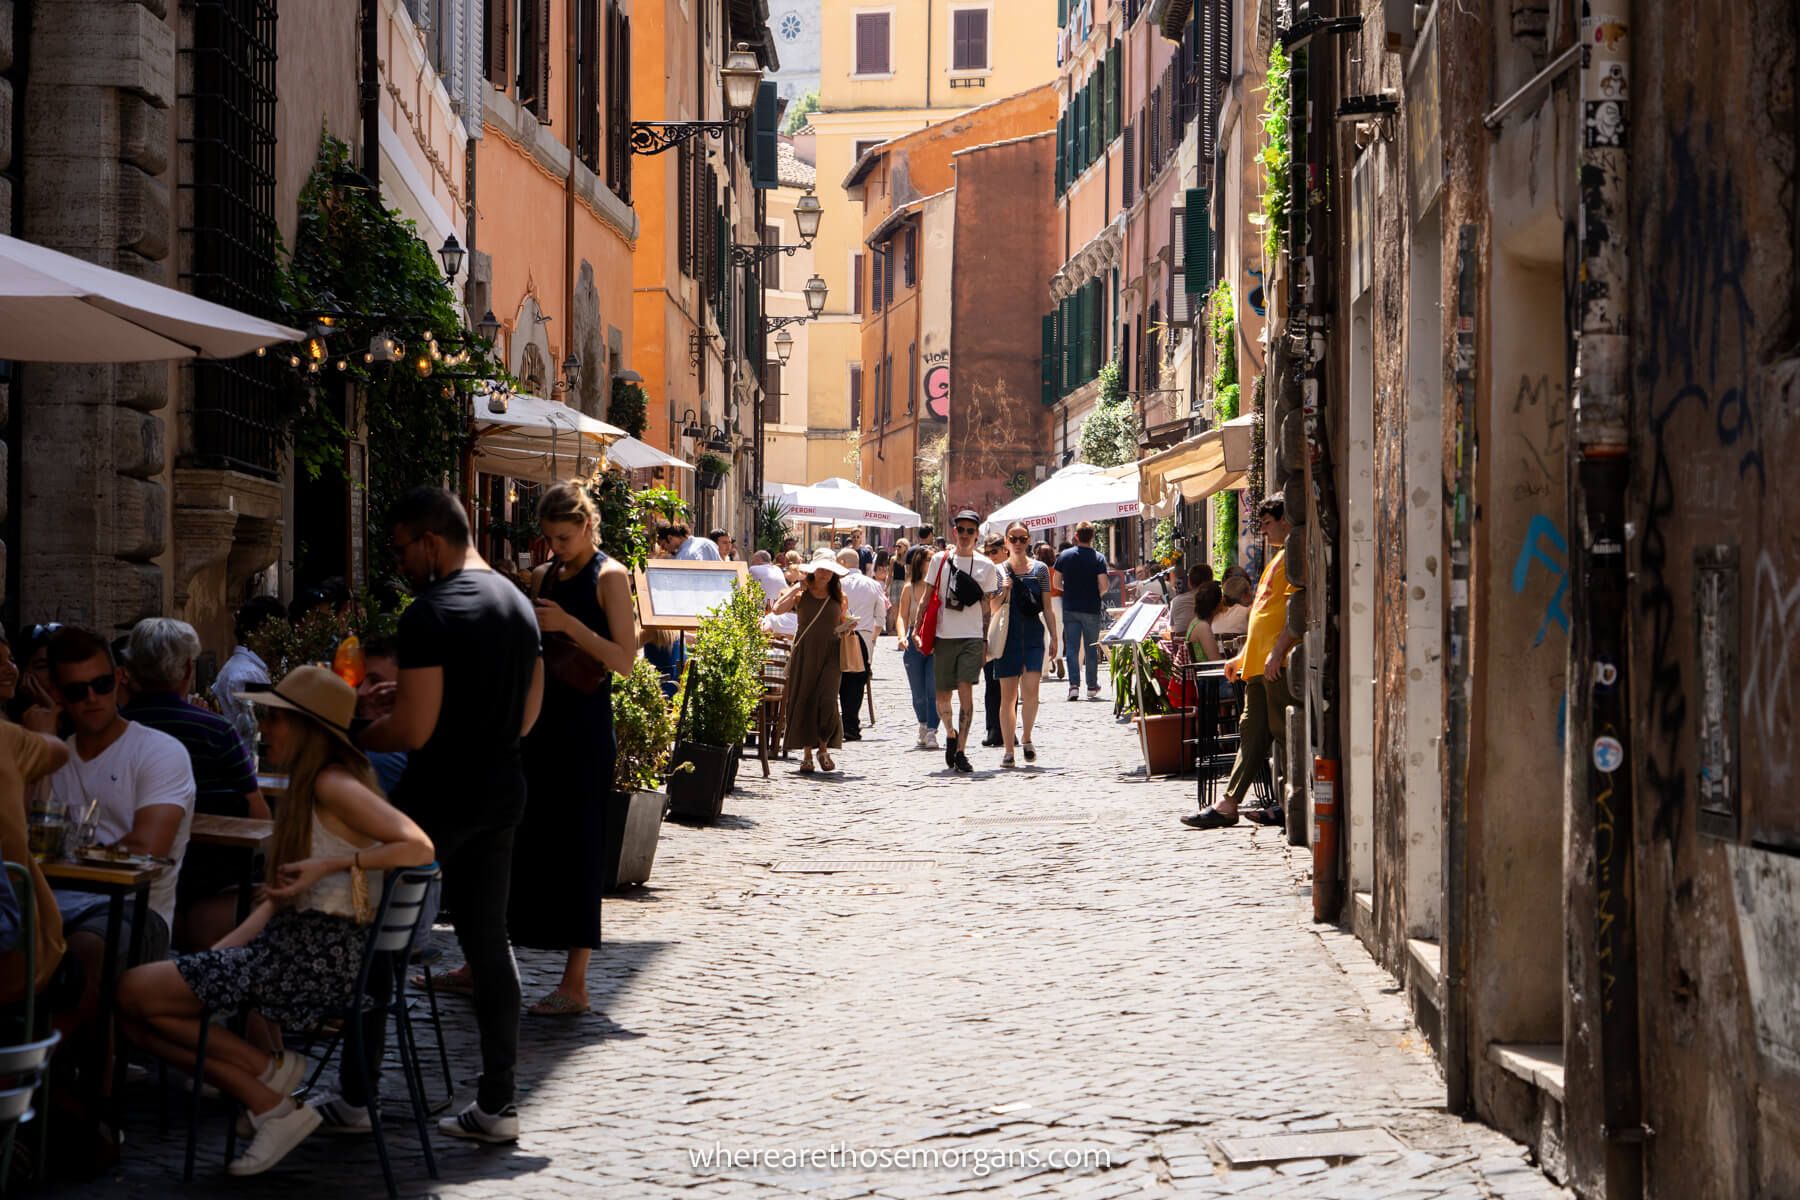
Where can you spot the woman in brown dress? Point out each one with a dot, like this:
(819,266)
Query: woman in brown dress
(813,720)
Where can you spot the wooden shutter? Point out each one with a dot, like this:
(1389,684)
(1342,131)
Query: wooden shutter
(772,393)
(1128,188)
(587,79)
(1046,364)
(771,236)
(684,210)
(620,174)
(764,169)
(969,51)
(543,62)
(1178,267)
(912,375)
(872,44)
(1198,255)
(1115,75)
(856,395)
(1062,156)
(877,265)
(496,42)
(875,400)
(856,284)
(1103,117)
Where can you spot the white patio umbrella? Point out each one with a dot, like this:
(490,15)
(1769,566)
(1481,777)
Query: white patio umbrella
(539,439)
(838,499)
(1079,492)
(634,455)
(58,308)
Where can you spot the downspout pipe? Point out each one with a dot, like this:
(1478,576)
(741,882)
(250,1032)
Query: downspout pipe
(1599,771)
(371,91)
(572,139)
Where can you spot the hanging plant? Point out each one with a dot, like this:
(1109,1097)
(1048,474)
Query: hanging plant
(1276,155)
(626,516)
(628,408)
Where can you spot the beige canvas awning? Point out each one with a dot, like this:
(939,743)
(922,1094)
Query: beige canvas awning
(1214,461)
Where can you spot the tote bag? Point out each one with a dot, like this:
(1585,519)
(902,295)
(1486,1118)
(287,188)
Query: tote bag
(928,621)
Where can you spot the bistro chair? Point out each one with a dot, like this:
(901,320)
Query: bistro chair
(23,1070)
(390,939)
(20,878)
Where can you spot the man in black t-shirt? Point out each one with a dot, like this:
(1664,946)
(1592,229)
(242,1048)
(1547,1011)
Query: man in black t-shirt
(470,685)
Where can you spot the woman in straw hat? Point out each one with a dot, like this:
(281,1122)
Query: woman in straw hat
(295,958)
(814,670)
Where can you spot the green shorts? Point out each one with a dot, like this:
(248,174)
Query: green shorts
(957,660)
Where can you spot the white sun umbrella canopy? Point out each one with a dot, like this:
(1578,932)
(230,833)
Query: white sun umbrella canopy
(838,499)
(58,308)
(1079,492)
(634,455)
(540,440)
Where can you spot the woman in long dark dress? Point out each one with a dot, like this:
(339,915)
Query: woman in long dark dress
(813,717)
(583,597)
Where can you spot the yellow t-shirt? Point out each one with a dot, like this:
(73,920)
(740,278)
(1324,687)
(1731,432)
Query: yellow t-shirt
(1268,616)
(24,761)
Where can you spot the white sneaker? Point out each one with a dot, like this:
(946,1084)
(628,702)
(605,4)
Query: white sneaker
(275,1137)
(478,1126)
(284,1073)
(341,1118)
(920,743)
(931,742)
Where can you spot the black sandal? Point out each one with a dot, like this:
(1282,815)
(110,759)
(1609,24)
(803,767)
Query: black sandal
(1267,814)
(1209,818)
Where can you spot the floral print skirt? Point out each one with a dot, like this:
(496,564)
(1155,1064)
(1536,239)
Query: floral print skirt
(299,970)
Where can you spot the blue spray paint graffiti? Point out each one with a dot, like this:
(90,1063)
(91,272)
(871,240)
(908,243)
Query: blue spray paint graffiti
(1542,533)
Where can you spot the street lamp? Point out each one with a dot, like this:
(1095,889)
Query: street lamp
(784,346)
(807,213)
(815,295)
(741,76)
(690,425)
(451,254)
(571,369)
(488,327)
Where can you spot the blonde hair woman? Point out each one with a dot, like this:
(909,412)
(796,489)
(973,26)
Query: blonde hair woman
(295,958)
(572,823)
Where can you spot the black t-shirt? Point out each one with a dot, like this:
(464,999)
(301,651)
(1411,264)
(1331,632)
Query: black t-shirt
(482,631)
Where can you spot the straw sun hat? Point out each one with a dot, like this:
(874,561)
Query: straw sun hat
(312,692)
(824,560)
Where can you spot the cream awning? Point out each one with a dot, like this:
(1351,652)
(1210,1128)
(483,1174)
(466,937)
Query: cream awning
(1214,461)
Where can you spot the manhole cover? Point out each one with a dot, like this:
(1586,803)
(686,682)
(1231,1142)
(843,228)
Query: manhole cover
(1074,819)
(1288,1147)
(833,866)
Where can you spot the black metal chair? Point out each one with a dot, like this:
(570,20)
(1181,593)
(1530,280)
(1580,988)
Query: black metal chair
(390,937)
(23,1070)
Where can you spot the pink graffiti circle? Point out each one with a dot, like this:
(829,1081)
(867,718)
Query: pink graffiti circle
(937,391)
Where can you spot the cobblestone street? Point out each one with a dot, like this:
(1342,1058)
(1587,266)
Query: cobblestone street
(1040,962)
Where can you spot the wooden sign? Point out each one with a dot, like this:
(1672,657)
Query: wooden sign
(674,593)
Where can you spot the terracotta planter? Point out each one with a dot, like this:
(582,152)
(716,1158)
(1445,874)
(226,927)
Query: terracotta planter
(642,827)
(698,794)
(1162,742)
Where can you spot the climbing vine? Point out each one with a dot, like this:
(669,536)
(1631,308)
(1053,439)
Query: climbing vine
(1109,432)
(1276,155)
(1222,322)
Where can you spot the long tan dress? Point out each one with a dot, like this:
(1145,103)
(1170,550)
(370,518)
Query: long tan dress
(812,679)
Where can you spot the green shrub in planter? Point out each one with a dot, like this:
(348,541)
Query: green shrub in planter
(644,731)
(722,689)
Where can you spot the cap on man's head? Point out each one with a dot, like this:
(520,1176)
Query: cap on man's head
(969,514)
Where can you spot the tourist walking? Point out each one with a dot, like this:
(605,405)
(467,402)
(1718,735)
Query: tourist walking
(994,546)
(866,603)
(814,669)
(1025,595)
(572,825)
(1046,554)
(295,958)
(1082,572)
(1260,664)
(918,666)
(965,586)
(471,684)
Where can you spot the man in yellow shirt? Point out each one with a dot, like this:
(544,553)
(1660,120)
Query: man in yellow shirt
(1260,663)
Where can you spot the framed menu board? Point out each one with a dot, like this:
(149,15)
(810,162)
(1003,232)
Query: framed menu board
(675,593)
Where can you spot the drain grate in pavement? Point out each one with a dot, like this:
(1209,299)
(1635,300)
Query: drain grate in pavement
(1066,819)
(867,889)
(1328,1144)
(834,866)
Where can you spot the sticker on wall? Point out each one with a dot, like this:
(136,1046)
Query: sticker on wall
(1609,755)
(937,385)
(1605,675)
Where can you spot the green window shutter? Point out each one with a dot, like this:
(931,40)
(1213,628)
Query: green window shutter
(1096,93)
(1102,106)
(1197,253)
(763,152)
(1046,373)
(1069,344)
(1080,132)
(1062,13)
(1062,157)
(1115,76)
(1085,323)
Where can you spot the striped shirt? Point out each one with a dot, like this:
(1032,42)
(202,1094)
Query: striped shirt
(223,771)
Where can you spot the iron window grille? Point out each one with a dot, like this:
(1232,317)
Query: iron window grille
(230,139)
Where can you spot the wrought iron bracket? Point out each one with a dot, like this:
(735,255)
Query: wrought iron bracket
(748,255)
(771,324)
(654,137)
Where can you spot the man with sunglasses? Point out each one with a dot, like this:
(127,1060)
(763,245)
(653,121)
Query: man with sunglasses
(143,782)
(967,585)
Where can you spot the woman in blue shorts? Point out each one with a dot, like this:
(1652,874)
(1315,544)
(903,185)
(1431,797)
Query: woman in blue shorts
(1025,589)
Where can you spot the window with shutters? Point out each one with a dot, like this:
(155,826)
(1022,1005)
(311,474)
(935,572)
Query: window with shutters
(496,41)
(890,269)
(875,418)
(1197,233)
(1062,157)
(772,393)
(1129,175)
(532,84)
(877,268)
(864,145)
(856,395)
(886,374)
(968,39)
(873,50)
(618,101)
(587,83)
(1177,300)
(909,256)
(771,236)
(856,284)
(912,375)
(1153,349)
(684,208)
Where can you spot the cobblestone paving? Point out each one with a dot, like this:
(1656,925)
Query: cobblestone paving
(1024,963)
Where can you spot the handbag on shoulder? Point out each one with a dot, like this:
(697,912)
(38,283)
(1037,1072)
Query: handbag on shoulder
(564,661)
(926,631)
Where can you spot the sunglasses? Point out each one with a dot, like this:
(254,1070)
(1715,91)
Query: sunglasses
(1019,541)
(967,530)
(38,632)
(100,685)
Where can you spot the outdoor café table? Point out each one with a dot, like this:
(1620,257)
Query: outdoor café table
(248,834)
(115,883)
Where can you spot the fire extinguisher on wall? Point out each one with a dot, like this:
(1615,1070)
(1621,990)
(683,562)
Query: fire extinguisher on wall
(1325,839)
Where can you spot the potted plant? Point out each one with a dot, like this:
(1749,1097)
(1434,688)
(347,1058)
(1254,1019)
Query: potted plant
(719,696)
(644,729)
(1141,672)
(710,470)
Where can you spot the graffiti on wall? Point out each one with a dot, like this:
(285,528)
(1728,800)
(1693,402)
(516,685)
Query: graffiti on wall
(1546,547)
(1696,357)
(1769,671)
(937,384)
(1541,412)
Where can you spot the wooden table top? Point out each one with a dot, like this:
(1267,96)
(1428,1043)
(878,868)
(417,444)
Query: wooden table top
(88,877)
(245,833)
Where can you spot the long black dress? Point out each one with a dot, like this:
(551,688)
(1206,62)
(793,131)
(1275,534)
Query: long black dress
(557,872)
